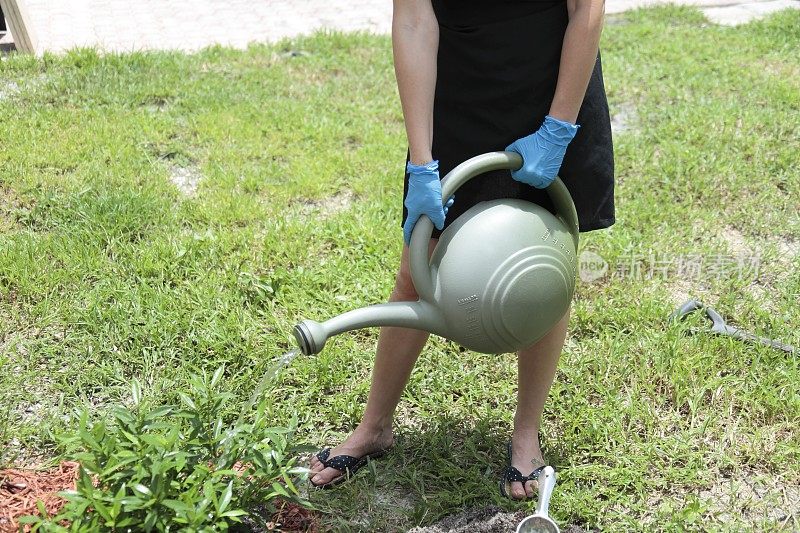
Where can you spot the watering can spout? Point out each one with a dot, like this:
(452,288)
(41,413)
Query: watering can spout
(311,336)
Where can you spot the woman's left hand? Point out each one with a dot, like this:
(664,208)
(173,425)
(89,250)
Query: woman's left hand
(543,152)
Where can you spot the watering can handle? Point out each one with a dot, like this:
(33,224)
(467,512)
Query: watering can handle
(423,229)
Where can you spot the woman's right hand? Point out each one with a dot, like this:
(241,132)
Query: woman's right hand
(415,44)
(424,197)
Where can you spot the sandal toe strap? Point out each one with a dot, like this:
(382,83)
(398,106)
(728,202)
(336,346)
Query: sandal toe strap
(339,462)
(512,474)
(535,474)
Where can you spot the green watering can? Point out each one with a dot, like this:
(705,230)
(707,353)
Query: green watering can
(500,277)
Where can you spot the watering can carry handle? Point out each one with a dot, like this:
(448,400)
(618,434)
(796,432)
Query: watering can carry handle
(423,229)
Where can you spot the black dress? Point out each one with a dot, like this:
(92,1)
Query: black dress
(497,71)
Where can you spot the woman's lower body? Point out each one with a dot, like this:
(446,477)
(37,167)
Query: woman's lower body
(397,352)
(482,105)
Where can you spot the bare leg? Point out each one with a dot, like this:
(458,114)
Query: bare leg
(536,371)
(398,350)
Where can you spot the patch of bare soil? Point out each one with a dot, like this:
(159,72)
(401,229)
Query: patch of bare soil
(749,497)
(753,497)
(332,205)
(8,88)
(680,291)
(483,520)
(735,241)
(186,179)
(784,71)
(788,250)
(760,277)
(10,203)
(623,120)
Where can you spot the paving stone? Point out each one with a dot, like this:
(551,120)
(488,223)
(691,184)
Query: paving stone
(122,25)
(619,6)
(743,13)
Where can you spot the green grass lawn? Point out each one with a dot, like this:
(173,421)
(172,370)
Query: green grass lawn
(293,156)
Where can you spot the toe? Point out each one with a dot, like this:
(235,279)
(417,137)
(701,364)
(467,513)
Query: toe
(316,465)
(517,491)
(530,488)
(325,476)
(318,479)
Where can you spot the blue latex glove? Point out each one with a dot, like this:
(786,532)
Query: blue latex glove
(424,197)
(543,152)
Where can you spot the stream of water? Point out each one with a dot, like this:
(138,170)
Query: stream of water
(268,377)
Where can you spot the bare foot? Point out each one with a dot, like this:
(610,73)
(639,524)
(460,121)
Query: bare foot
(525,457)
(362,442)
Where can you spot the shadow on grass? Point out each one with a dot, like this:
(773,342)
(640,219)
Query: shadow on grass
(435,470)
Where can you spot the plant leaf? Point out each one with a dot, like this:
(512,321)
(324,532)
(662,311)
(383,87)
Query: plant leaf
(233,513)
(187,400)
(217,375)
(136,391)
(226,497)
(178,506)
(142,489)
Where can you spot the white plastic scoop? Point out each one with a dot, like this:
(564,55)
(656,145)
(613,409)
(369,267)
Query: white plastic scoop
(540,521)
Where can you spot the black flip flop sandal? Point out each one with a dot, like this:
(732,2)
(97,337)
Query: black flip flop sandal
(347,464)
(512,475)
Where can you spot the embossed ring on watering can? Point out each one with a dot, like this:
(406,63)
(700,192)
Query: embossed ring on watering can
(423,229)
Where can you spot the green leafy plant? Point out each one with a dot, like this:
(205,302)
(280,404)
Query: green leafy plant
(175,468)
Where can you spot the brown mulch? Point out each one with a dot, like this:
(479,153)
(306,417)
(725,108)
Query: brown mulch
(287,518)
(21,488)
(292,518)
